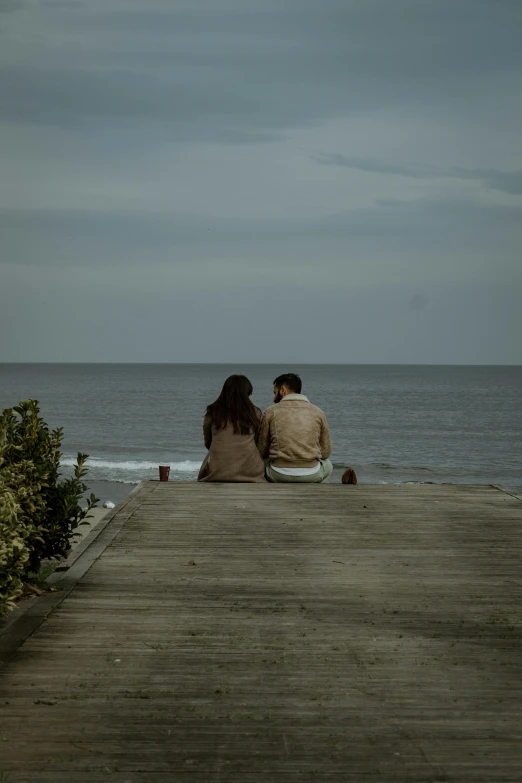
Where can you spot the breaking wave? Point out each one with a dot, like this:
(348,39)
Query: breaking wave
(187,466)
(129,471)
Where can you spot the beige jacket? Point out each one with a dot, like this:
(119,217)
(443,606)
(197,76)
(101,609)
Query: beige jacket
(231,457)
(294,433)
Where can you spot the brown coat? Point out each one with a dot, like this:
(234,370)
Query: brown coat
(294,433)
(231,457)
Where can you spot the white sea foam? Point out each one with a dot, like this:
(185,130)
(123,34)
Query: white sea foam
(186,466)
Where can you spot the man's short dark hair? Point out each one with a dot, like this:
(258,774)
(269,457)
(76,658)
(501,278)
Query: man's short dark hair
(291,381)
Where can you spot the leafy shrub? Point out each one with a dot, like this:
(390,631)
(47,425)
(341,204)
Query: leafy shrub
(39,513)
(14,551)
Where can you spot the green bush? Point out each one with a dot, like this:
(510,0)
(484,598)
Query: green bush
(39,513)
(14,552)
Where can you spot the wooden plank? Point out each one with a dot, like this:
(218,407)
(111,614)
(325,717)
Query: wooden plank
(281,633)
(20,625)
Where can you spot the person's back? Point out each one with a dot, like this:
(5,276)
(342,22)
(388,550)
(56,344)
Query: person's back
(294,438)
(230,430)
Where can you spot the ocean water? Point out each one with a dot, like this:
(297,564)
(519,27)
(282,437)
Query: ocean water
(391,423)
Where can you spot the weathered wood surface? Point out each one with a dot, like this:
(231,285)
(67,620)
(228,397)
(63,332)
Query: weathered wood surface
(275,633)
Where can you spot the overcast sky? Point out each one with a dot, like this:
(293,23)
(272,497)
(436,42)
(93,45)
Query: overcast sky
(261,180)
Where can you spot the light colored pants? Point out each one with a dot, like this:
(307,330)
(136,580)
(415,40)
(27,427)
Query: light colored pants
(324,472)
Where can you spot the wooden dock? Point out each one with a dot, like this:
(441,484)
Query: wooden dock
(265,633)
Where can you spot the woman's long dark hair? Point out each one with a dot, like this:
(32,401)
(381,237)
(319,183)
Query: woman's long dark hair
(233,406)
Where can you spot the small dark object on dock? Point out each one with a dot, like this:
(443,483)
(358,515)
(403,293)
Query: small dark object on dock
(349,476)
(164,471)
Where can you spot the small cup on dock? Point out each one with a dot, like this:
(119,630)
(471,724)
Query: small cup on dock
(164,471)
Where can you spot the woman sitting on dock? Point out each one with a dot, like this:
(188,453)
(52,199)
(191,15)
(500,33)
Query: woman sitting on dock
(230,430)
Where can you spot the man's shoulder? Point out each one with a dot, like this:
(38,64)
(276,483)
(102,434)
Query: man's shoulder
(317,410)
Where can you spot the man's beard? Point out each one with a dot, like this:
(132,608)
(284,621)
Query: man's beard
(278,397)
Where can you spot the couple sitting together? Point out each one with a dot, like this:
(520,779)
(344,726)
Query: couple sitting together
(290,442)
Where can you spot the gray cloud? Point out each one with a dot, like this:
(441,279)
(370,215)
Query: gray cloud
(506,181)
(378,167)
(160,157)
(118,318)
(68,237)
(221,71)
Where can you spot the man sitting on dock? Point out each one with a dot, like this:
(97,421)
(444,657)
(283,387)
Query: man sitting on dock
(294,438)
